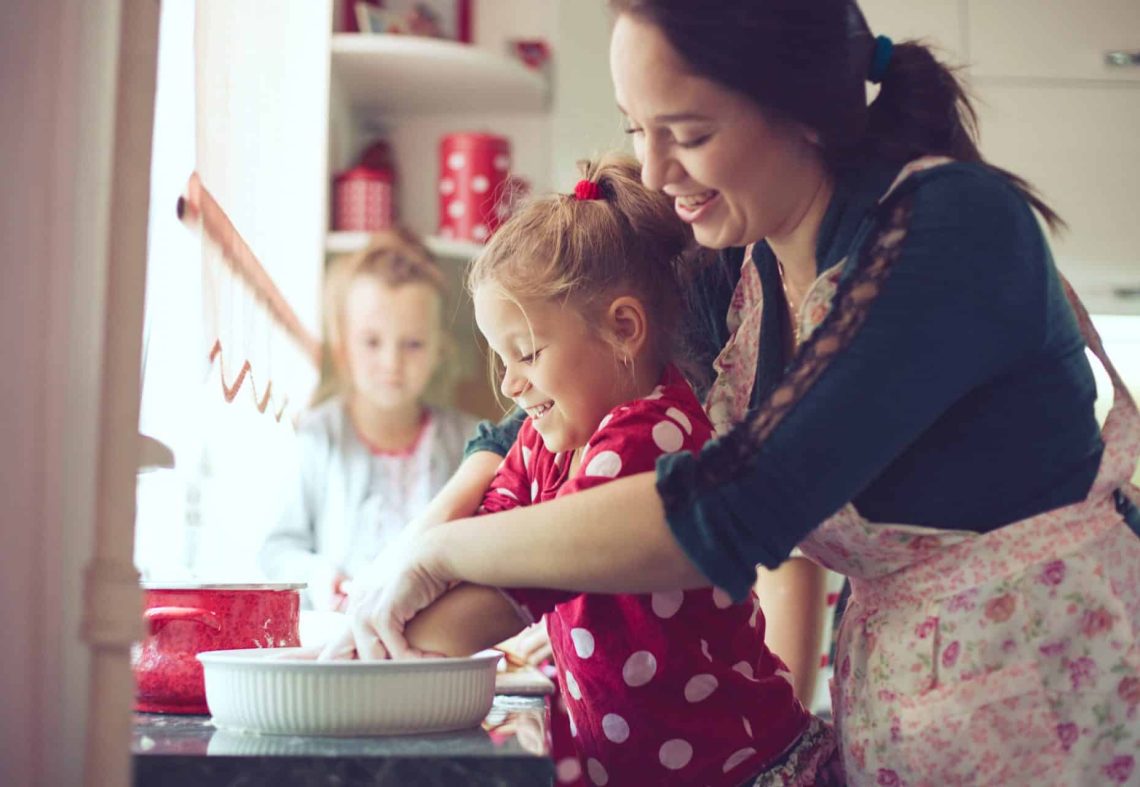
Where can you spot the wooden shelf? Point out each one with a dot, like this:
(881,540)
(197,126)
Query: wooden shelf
(404,75)
(348,242)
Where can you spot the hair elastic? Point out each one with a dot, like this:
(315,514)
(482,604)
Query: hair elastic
(880,59)
(587,190)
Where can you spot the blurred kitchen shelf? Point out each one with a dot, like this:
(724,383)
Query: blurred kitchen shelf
(393,74)
(347,242)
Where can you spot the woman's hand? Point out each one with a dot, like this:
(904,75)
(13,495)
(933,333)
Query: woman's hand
(406,578)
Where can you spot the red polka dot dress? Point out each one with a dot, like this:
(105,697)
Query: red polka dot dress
(670,688)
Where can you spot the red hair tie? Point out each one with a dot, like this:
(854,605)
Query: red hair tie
(586,190)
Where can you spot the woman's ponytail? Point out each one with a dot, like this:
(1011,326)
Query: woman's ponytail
(923,109)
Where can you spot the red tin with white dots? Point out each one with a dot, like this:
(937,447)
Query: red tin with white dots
(362,200)
(473,170)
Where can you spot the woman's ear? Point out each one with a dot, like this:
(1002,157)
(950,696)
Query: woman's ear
(626,322)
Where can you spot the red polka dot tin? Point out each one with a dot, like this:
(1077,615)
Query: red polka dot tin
(473,172)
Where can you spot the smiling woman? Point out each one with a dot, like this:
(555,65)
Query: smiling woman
(921,420)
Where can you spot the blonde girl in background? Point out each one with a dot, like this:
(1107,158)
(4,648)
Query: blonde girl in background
(577,300)
(372,455)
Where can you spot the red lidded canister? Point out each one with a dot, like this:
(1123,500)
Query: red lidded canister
(362,200)
(473,169)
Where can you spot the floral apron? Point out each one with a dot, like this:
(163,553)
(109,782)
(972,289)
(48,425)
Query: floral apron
(1005,658)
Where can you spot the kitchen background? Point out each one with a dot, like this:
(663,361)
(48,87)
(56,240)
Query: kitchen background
(76,238)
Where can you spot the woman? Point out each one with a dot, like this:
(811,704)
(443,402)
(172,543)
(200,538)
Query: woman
(902,355)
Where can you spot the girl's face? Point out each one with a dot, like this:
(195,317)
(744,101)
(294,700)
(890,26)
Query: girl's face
(393,340)
(556,367)
(736,175)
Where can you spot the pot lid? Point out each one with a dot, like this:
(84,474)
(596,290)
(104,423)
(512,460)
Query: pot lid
(180,585)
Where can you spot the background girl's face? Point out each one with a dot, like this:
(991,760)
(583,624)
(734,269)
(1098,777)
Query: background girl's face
(734,174)
(393,340)
(556,367)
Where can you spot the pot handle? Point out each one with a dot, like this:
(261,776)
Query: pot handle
(157,617)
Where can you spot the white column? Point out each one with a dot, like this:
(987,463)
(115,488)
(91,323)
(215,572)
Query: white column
(113,608)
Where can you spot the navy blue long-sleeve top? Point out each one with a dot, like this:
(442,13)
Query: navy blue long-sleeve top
(964,400)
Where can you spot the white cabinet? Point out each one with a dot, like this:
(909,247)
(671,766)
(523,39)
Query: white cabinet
(1052,39)
(1079,146)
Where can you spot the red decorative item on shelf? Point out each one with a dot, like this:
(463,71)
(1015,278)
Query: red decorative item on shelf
(362,200)
(473,171)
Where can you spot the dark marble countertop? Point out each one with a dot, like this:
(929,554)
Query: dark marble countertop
(512,747)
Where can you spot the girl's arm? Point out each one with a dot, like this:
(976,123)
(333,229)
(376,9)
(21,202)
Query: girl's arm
(462,493)
(465,620)
(794,598)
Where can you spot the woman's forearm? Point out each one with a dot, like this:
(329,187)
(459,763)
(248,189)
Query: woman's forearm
(610,539)
(462,493)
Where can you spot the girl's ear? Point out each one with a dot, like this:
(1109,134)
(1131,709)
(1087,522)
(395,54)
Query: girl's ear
(628,327)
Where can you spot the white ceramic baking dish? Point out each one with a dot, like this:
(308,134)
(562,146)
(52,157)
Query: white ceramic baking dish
(265,691)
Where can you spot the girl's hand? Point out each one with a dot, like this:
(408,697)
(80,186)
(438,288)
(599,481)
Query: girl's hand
(533,644)
(408,577)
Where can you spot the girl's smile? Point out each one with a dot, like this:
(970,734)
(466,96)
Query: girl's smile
(556,367)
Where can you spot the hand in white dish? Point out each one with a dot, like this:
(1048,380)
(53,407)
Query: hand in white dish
(403,580)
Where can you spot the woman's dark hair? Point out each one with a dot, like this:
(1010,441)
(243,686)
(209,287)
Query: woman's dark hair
(808,60)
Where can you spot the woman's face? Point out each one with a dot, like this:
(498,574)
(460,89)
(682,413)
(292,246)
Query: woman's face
(735,174)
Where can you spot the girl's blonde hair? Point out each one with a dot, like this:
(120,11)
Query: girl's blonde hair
(393,257)
(585,252)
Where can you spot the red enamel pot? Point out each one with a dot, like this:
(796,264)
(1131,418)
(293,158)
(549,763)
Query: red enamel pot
(186,619)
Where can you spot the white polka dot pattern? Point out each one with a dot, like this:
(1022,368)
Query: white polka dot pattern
(502,162)
(675,754)
(572,685)
(456,209)
(480,232)
(573,726)
(658,392)
(583,642)
(721,599)
(666,603)
(700,687)
(705,650)
(568,770)
(597,773)
(615,728)
(456,161)
(534,491)
(447,187)
(606,464)
(526,452)
(480,184)
(737,758)
(507,493)
(745,669)
(680,418)
(639,669)
(609,417)
(667,435)
(747,726)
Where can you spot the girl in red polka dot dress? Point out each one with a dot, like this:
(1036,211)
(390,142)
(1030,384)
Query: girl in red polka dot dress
(578,298)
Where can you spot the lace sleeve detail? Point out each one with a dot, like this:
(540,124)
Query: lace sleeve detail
(853,299)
